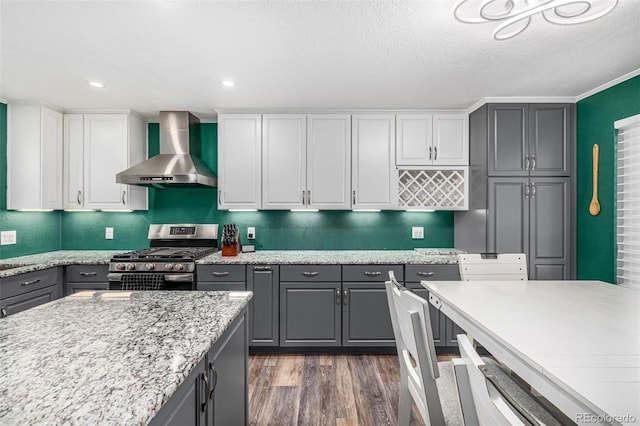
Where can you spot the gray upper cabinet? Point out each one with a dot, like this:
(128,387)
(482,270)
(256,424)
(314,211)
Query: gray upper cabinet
(523,167)
(530,139)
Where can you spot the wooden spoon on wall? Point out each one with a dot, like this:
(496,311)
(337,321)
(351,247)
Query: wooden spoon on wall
(594,207)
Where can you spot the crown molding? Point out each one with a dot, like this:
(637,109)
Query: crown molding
(609,84)
(521,100)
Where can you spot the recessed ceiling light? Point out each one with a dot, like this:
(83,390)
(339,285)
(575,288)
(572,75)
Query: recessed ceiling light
(228,83)
(96,84)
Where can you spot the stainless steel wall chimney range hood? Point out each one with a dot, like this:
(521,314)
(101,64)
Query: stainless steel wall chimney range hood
(179,163)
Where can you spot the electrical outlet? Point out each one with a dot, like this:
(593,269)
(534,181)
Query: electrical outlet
(251,233)
(417,232)
(108,233)
(7,237)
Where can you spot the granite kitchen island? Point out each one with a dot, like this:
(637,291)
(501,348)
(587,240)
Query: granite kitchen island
(126,358)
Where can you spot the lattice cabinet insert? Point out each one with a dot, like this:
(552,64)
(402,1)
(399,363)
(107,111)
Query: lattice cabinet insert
(441,188)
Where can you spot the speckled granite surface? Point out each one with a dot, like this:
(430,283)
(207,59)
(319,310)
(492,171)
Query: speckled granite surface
(344,257)
(106,360)
(39,261)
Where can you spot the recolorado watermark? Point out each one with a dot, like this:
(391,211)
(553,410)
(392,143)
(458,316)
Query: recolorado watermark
(594,418)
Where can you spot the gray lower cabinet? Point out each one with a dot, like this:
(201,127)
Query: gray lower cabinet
(532,216)
(310,305)
(444,330)
(85,277)
(263,281)
(21,292)
(320,309)
(365,311)
(215,392)
(221,277)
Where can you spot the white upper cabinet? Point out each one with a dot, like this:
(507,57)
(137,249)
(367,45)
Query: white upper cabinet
(329,161)
(239,161)
(284,156)
(432,139)
(34,157)
(97,147)
(374,181)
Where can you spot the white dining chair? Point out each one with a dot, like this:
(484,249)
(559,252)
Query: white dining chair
(503,266)
(429,383)
(497,397)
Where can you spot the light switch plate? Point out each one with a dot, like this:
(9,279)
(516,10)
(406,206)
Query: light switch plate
(251,233)
(108,233)
(7,237)
(417,232)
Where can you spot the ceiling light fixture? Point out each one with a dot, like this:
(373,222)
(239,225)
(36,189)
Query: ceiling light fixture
(515,15)
(228,83)
(96,84)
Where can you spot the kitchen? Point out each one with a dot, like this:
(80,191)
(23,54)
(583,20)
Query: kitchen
(602,95)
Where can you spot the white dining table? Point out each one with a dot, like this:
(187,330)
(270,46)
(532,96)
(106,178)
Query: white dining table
(575,342)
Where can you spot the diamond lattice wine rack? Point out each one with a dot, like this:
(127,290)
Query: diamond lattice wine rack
(438,188)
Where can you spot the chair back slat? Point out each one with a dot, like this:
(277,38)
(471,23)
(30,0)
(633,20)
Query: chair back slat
(506,266)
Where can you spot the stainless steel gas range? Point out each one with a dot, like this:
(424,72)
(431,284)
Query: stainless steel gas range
(170,261)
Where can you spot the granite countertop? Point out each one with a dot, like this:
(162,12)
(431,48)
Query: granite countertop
(106,358)
(35,262)
(345,257)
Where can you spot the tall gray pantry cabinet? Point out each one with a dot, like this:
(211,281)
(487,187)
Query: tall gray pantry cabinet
(522,200)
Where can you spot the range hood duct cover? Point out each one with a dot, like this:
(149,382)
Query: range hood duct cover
(179,163)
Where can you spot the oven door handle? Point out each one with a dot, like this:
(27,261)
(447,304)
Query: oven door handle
(182,278)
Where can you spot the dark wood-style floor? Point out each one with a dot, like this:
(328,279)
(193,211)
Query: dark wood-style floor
(324,390)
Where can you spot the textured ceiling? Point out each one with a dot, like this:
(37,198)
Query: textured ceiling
(158,55)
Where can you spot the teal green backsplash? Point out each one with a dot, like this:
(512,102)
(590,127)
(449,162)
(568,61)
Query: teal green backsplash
(275,230)
(36,232)
(596,257)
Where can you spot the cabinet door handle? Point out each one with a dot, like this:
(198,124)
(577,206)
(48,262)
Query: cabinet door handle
(337,296)
(79,197)
(373,274)
(32,282)
(430,153)
(3,313)
(219,196)
(310,274)
(262,268)
(303,198)
(220,274)
(345,298)
(205,379)
(123,194)
(533,190)
(88,274)
(533,162)
(526,162)
(425,274)
(435,153)
(308,198)
(354,197)
(212,368)
(526,190)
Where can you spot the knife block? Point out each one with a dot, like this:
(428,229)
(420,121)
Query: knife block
(231,250)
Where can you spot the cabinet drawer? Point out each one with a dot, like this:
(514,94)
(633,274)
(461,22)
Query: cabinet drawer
(367,273)
(221,273)
(87,273)
(221,286)
(71,288)
(31,281)
(416,273)
(312,273)
(22,302)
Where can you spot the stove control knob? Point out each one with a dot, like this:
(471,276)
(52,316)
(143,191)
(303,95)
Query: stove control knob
(168,266)
(150,266)
(120,266)
(131,267)
(179,267)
